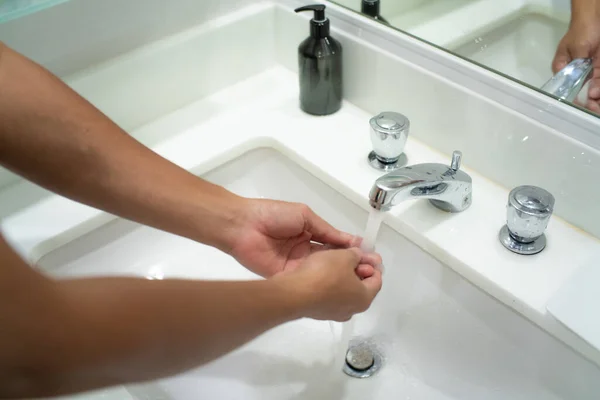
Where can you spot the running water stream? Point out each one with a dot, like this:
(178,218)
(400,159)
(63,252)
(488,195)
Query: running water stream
(371,231)
(367,245)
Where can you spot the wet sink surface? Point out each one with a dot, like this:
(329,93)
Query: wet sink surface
(441,337)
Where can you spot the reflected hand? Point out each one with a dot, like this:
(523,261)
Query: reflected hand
(327,286)
(582,41)
(276,236)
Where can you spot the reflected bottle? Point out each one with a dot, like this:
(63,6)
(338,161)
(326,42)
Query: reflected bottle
(372,8)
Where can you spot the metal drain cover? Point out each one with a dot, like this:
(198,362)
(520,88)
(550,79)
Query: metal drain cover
(360,358)
(362,361)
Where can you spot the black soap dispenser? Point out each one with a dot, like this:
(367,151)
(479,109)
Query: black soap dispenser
(320,66)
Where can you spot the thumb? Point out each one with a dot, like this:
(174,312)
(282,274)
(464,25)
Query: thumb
(373,284)
(561,58)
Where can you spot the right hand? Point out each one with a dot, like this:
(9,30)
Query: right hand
(335,284)
(582,41)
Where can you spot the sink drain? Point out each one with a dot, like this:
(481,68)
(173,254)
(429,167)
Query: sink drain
(362,361)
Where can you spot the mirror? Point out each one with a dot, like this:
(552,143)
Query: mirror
(12,9)
(515,38)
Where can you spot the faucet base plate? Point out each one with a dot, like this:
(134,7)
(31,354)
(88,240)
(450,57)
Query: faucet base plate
(386,167)
(526,249)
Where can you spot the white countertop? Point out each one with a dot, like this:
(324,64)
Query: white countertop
(263,112)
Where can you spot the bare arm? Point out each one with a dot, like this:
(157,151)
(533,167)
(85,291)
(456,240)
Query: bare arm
(65,336)
(55,138)
(61,337)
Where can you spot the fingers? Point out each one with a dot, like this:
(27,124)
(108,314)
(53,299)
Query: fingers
(594,89)
(364,271)
(373,284)
(594,92)
(373,259)
(562,57)
(570,48)
(314,247)
(323,232)
(593,106)
(347,258)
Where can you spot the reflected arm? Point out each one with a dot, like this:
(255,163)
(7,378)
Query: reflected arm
(581,9)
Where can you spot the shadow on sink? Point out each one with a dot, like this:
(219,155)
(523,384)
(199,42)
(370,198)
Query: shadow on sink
(254,371)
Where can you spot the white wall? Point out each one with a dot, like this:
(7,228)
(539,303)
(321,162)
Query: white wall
(79,33)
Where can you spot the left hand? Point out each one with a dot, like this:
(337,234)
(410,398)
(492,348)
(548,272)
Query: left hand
(277,236)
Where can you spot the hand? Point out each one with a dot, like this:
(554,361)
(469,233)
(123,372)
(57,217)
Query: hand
(328,287)
(582,41)
(276,236)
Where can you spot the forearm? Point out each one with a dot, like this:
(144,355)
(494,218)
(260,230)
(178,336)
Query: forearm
(57,139)
(102,332)
(585,9)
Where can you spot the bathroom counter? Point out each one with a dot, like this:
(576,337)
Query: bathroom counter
(262,112)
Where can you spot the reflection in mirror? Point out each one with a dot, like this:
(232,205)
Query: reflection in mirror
(521,39)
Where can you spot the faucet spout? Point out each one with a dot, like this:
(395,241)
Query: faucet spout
(447,188)
(569,81)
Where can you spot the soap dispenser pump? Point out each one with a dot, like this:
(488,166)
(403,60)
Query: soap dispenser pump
(320,66)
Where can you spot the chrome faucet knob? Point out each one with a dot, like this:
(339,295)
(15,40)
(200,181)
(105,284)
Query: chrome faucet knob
(528,212)
(389,132)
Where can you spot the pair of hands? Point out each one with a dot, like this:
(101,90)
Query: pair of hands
(582,41)
(318,263)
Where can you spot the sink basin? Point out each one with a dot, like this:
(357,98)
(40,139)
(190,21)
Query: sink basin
(522,48)
(440,337)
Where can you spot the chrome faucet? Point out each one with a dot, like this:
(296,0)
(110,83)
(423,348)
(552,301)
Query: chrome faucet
(447,188)
(569,81)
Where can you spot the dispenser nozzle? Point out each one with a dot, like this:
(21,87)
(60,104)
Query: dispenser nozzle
(319,10)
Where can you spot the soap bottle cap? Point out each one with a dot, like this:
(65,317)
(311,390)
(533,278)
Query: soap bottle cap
(319,25)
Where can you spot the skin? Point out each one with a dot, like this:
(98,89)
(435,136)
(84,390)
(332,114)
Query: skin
(583,41)
(64,336)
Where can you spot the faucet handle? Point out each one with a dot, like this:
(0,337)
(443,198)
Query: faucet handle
(456,159)
(528,212)
(389,132)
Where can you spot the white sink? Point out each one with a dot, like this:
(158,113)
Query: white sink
(441,337)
